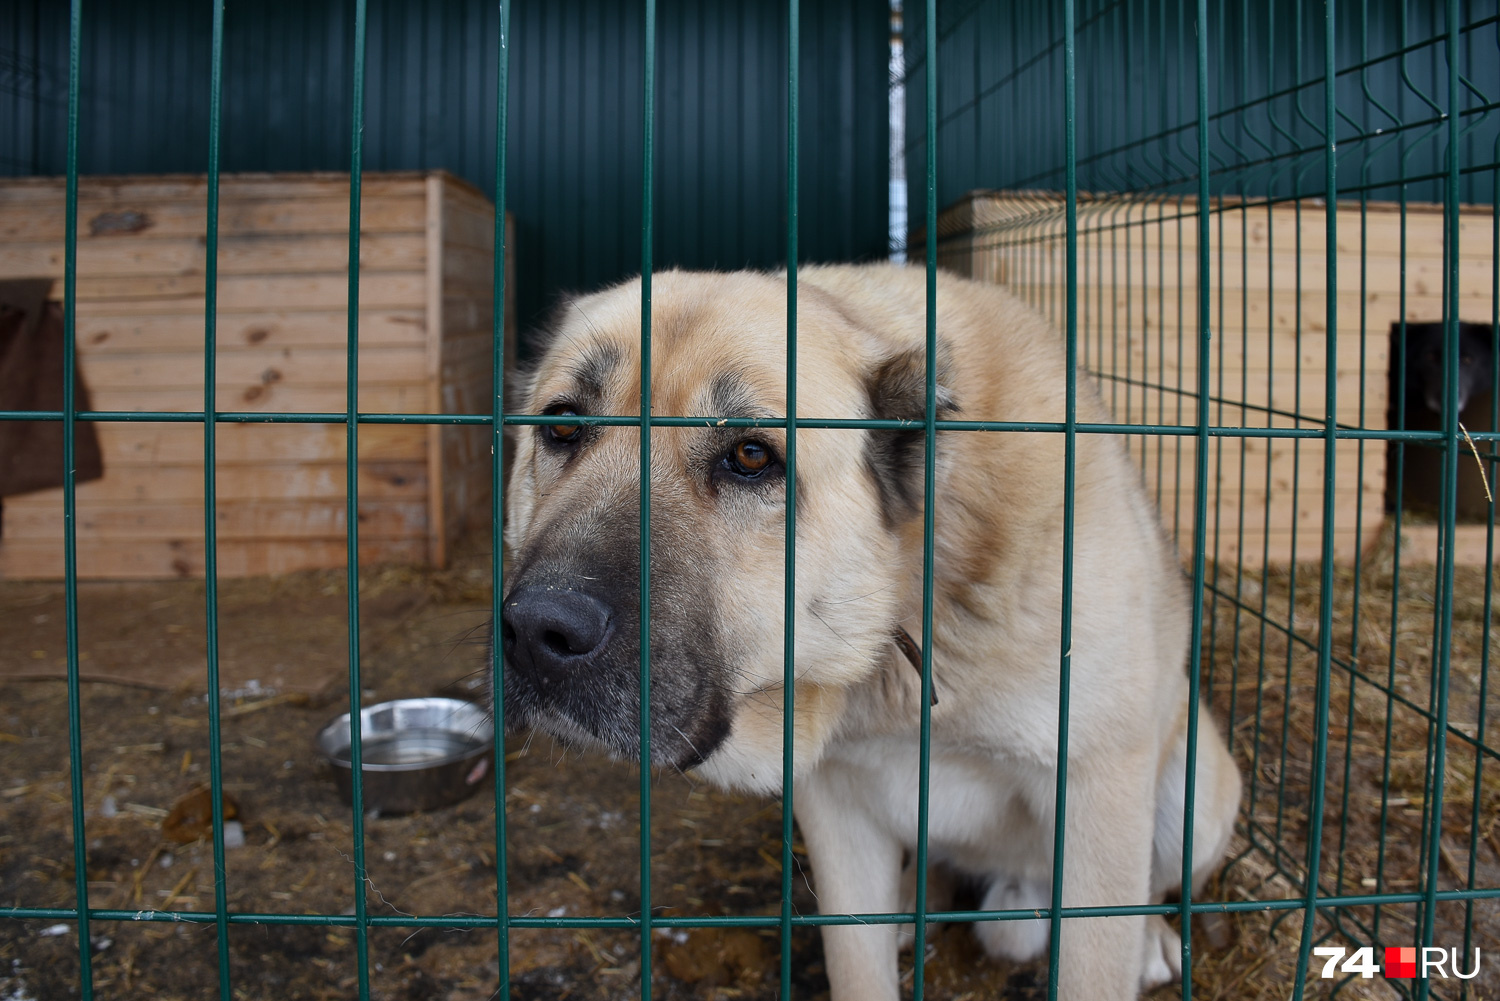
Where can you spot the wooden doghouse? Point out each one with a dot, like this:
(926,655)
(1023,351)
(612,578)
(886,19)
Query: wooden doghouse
(1137,278)
(425,315)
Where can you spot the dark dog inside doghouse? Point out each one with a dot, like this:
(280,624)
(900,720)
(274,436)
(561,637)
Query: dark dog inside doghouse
(1416,404)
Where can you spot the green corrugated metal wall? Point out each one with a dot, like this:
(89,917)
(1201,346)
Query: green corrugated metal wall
(1000,98)
(575,163)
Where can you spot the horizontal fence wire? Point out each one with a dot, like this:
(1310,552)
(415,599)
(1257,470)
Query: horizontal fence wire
(737,920)
(1341,431)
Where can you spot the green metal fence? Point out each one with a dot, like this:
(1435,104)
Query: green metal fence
(1343,118)
(1214,134)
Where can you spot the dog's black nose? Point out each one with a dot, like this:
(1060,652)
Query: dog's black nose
(549,631)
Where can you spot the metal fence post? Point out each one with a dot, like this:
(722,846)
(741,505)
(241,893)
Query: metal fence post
(648,129)
(210,495)
(351,522)
(789,614)
(70,510)
(497,496)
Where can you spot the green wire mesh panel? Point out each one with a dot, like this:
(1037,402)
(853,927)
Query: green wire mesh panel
(1281,334)
(1238,214)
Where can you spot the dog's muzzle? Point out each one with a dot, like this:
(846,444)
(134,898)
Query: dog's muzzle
(555,636)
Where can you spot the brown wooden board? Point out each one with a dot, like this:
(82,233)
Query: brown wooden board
(235,519)
(273,327)
(131,558)
(1137,312)
(267,481)
(157,445)
(282,326)
(243,254)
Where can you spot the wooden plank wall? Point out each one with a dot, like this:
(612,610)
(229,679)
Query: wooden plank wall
(281,332)
(1137,323)
(465,362)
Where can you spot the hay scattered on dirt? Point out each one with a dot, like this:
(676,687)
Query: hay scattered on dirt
(573,842)
(1378,781)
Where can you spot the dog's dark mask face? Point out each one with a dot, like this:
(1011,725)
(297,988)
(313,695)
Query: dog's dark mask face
(1426,359)
(570,626)
(571,635)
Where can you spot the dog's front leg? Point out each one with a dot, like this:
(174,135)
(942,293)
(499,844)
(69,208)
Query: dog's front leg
(1106,862)
(856,870)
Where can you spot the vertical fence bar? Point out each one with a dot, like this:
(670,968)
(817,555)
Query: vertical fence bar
(1448,515)
(789,584)
(70,509)
(1425,102)
(497,498)
(648,136)
(1317,777)
(351,520)
(210,493)
(1297,113)
(1261,613)
(1200,496)
(1444,540)
(1242,466)
(929,485)
(1070,450)
(1350,708)
(1490,468)
(1212,611)
(1398,477)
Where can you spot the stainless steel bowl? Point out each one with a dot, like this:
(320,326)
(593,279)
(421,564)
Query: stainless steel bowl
(417,754)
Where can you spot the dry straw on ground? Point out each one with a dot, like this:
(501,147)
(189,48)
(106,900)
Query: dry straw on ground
(1262,665)
(572,843)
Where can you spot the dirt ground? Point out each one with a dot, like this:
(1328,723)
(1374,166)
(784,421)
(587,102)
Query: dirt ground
(573,841)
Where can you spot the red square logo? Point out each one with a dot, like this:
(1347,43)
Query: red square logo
(1400,962)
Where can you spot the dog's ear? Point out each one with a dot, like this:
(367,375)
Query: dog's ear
(897,388)
(543,330)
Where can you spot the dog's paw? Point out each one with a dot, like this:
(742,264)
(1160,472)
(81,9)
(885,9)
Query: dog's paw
(1020,940)
(940,888)
(1163,960)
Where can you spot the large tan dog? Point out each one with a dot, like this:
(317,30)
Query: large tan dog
(571,619)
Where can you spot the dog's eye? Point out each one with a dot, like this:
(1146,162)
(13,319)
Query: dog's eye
(562,434)
(749,459)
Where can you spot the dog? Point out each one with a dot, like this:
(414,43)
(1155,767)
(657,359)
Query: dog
(1421,409)
(571,633)
(1424,364)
